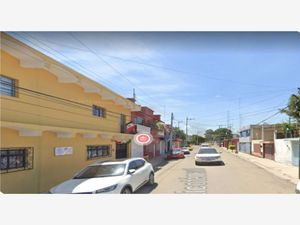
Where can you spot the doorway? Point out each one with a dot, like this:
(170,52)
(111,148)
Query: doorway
(121,151)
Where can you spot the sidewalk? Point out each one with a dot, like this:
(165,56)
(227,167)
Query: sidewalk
(158,162)
(278,169)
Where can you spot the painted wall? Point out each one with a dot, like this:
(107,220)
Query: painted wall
(30,109)
(286,151)
(245,147)
(48,169)
(33,109)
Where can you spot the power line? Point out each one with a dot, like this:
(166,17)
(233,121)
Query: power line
(271,116)
(74,61)
(93,74)
(108,64)
(60,100)
(168,68)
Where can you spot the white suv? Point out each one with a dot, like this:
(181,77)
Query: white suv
(123,177)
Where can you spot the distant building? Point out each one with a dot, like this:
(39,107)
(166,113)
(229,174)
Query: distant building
(258,140)
(146,121)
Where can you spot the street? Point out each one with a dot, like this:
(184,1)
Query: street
(236,176)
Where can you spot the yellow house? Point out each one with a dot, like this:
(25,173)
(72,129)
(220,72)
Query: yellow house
(54,120)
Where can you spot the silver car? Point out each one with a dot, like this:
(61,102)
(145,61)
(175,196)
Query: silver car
(208,155)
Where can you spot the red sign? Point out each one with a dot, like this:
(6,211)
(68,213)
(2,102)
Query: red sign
(143,138)
(131,128)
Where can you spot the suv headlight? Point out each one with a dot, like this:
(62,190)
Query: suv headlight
(107,189)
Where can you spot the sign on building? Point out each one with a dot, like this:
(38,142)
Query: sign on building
(63,151)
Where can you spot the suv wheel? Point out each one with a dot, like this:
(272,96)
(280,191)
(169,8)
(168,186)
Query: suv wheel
(126,190)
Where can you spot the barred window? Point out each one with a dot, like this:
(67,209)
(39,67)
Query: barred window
(16,159)
(99,111)
(7,86)
(97,151)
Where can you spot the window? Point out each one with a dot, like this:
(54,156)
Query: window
(15,159)
(245,133)
(138,120)
(8,86)
(97,151)
(99,111)
(123,123)
(140,163)
(132,165)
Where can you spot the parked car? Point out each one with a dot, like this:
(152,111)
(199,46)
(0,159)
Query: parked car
(208,155)
(125,177)
(185,150)
(298,187)
(176,154)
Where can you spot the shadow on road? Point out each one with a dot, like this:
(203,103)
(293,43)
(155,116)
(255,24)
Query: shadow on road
(146,189)
(211,164)
(159,167)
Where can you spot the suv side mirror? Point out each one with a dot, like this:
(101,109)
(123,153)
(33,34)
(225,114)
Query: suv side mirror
(131,171)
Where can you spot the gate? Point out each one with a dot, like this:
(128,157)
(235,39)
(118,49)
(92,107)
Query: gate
(121,151)
(256,150)
(269,151)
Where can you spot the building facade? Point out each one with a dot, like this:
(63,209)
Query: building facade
(146,120)
(258,140)
(54,120)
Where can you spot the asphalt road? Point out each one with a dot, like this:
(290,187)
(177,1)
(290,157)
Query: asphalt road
(236,176)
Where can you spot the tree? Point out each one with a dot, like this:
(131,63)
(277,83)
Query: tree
(177,133)
(209,135)
(196,139)
(293,108)
(289,129)
(218,135)
(222,133)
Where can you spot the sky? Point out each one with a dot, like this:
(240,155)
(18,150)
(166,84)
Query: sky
(218,79)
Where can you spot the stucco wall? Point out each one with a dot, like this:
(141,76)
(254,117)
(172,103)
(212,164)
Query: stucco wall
(35,109)
(48,169)
(283,151)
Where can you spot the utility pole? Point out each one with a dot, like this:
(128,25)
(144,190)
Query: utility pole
(134,96)
(262,132)
(240,116)
(164,112)
(228,119)
(171,134)
(179,123)
(297,108)
(186,129)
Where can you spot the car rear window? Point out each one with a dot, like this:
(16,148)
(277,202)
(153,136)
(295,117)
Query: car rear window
(207,151)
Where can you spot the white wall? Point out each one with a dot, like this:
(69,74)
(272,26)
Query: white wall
(283,151)
(137,150)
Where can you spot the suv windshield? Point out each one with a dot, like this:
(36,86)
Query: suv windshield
(207,151)
(101,171)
